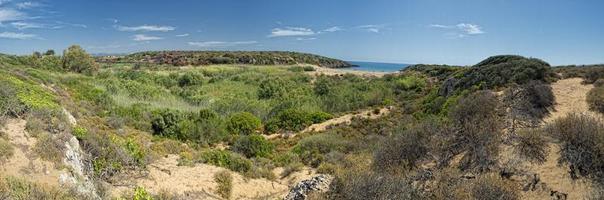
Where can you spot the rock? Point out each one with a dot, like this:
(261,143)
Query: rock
(300,191)
(77,178)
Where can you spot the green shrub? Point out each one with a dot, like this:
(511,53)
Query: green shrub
(6,150)
(243,123)
(224,181)
(79,132)
(77,60)
(595,99)
(272,88)
(253,146)
(140,193)
(581,138)
(190,79)
(9,103)
(412,82)
(165,123)
(226,159)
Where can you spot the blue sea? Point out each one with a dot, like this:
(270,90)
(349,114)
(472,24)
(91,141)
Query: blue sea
(377,67)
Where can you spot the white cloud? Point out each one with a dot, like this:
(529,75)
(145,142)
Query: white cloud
(26,25)
(332,29)
(291,31)
(18,36)
(305,39)
(10,15)
(221,43)
(460,30)
(142,37)
(470,29)
(372,28)
(145,28)
(183,35)
(27,5)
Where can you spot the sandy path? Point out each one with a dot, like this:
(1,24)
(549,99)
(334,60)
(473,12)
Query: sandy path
(570,98)
(24,163)
(166,175)
(346,119)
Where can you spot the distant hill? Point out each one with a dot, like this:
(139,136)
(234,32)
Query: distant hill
(182,58)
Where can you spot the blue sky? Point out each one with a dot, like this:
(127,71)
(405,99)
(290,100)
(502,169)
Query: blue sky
(404,31)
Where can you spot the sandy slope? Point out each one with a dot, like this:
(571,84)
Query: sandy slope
(24,163)
(570,98)
(339,72)
(346,119)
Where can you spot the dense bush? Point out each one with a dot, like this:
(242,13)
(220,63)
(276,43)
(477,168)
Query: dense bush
(15,188)
(581,138)
(253,146)
(77,60)
(226,159)
(243,123)
(499,71)
(272,88)
(165,123)
(295,119)
(181,58)
(9,103)
(312,150)
(595,99)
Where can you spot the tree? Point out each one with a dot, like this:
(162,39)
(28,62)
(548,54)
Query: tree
(50,52)
(77,60)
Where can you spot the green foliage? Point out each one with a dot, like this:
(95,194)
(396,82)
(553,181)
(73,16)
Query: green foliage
(140,193)
(32,95)
(441,72)
(226,159)
(190,79)
(79,132)
(224,180)
(412,82)
(9,103)
(244,123)
(253,146)
(75,59)
(595,99)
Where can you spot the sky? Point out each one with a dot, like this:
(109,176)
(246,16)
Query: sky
(459,32)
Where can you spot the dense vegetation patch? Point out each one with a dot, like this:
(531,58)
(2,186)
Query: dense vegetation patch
(182,58)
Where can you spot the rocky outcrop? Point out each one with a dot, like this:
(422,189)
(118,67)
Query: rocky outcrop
(301,190)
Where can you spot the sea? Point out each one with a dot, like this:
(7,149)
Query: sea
(377,66)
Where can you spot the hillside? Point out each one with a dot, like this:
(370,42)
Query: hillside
(182,58)
(506,128)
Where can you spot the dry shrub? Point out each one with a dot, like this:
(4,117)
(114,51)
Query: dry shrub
(369,185)
(581,139)
(493,187)
(595,99)
(531,146)
(476,132)
(224,181)
(6,150)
